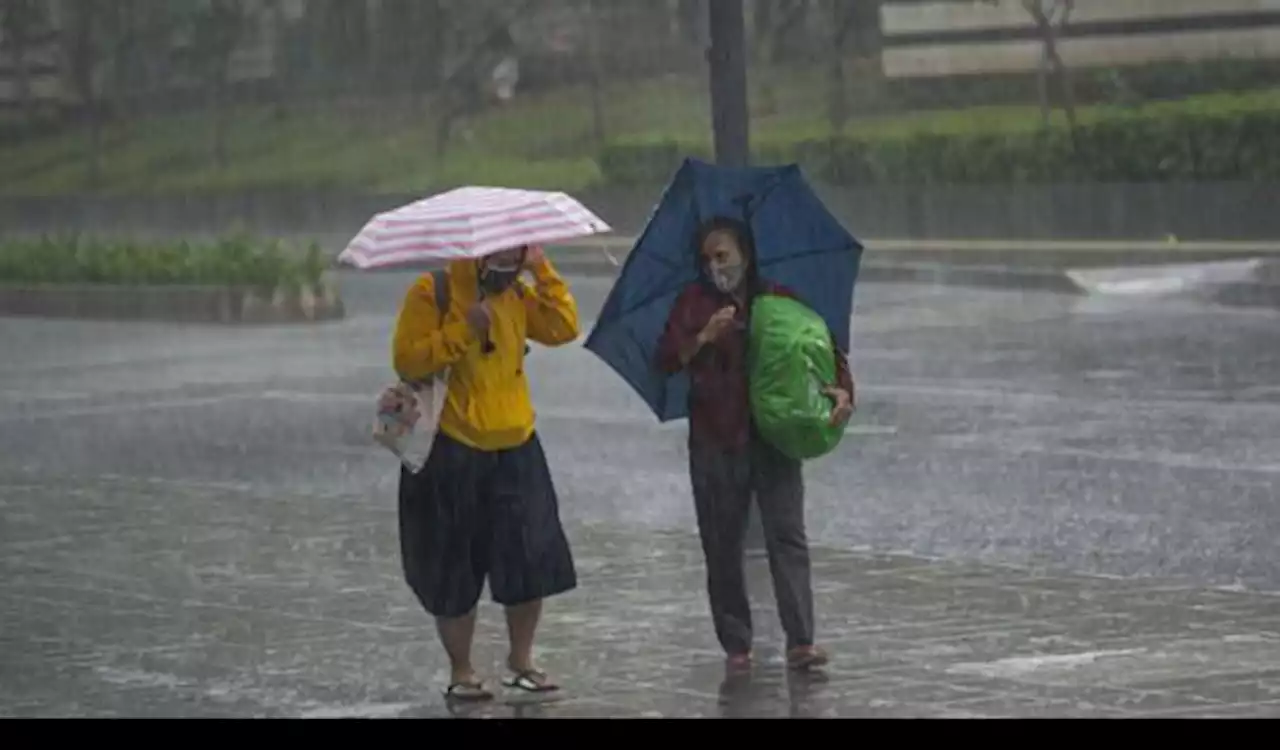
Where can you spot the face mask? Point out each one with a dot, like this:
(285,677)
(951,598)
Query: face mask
(498,280)
(727,278)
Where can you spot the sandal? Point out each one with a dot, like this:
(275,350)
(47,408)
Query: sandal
(473,691)
(530,681)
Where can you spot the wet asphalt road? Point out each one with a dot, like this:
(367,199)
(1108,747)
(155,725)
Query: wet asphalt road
(1134,439)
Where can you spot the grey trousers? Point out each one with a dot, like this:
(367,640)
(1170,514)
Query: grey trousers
(724,485)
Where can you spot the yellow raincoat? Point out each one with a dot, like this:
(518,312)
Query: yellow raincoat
(488,406)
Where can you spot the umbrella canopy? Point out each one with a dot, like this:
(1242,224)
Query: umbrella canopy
(469,223)
(799,245)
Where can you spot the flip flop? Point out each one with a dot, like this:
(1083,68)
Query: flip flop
(530,681)
(468,692)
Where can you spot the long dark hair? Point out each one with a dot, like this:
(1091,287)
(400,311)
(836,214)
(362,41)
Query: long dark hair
(742,233)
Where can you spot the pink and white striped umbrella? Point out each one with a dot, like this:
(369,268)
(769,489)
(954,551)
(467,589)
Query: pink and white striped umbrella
(470,222)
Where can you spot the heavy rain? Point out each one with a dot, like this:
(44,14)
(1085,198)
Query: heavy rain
(1042,233)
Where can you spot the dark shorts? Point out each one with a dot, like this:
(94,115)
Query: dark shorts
(471,516)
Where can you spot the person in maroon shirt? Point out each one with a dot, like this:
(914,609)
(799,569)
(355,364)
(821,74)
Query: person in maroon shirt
(729,463)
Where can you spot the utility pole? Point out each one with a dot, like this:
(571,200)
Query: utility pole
(727,56)
(730,123)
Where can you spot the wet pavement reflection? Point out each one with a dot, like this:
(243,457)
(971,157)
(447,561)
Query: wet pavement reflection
(1046,507)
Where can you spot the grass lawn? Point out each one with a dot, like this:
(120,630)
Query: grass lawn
(544,141)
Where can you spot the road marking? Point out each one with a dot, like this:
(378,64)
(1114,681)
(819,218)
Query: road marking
(954,393)
(1003,395)
(94,411)
(1024,666)
(362,711)
(599,417)
(1167,460)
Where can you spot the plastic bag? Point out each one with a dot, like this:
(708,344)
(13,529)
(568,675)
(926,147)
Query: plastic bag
(408,417)
(791,361)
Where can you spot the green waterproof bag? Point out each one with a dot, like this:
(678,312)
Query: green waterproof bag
(791,361)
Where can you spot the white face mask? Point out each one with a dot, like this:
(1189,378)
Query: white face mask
(498,275)
(727,267)
(728,277)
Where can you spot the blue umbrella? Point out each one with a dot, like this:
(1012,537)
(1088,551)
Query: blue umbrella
(799,245)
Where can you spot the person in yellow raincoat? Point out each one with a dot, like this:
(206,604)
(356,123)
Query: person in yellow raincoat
(484,505)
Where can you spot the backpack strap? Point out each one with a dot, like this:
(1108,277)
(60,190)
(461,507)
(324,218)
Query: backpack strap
(440,281)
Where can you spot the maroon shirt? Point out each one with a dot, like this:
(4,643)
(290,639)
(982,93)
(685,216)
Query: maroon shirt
(719,401)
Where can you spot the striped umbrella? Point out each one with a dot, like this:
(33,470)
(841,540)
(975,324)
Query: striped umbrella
(469,223)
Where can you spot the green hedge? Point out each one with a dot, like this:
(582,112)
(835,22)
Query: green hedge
(1122,85)
(230,261)
(1232,141)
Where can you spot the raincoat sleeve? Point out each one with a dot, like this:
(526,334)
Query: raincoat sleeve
(427,340)
(680,334)
(551,310)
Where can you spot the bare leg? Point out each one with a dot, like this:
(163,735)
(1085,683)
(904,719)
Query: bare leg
(457,635)
(522,626)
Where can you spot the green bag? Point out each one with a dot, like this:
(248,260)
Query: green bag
(791,360)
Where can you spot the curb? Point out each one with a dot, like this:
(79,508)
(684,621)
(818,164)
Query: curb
(1031,247)
(993,277)
(1258,291)
(1240,283)
(1258,288)
(176,304)
(1256,295)
(987,277)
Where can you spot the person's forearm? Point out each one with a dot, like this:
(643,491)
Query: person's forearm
(690,350)
(844,372)
(552,310)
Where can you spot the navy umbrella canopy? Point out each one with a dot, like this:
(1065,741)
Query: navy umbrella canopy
(799,245)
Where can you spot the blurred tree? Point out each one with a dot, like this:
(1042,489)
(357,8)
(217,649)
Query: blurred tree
(853,37)
(691,16)
(841,17)
(467,87)
(342,44)
(20,22)
(397,44)
(81,39)
(774,24)
(280,68)
(864,44)
(1052,18)
(592,14)
(136,48)
(216,29)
